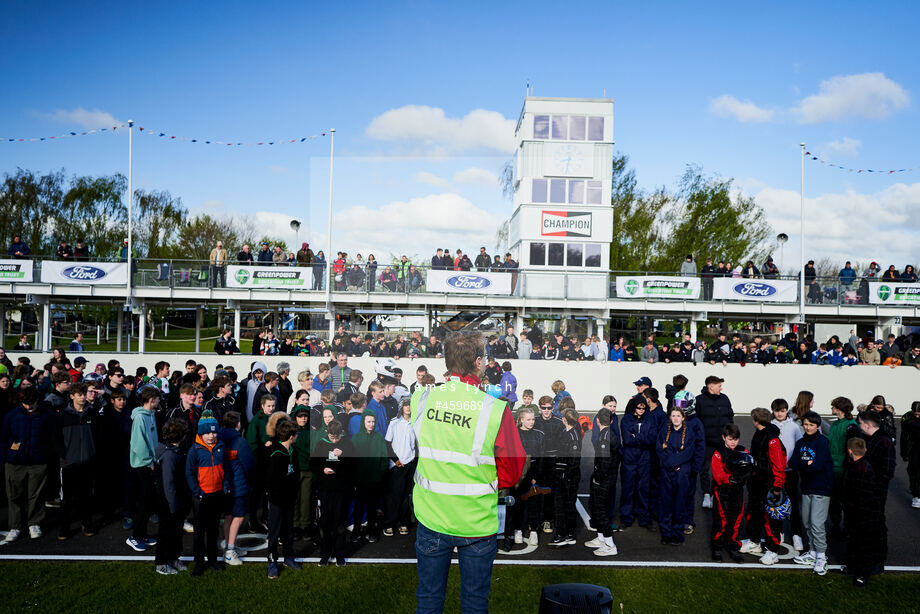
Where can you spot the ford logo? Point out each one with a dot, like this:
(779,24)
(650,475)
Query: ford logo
(83,273)
(754,288)
(468,282)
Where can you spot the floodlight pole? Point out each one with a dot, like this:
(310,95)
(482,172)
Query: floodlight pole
(802,255)
(328,272)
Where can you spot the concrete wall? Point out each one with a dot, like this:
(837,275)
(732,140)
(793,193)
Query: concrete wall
(748,386)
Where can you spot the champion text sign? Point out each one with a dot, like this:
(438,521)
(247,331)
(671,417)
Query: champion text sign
(760,290)
(85,273)
(565,224)
(469,282)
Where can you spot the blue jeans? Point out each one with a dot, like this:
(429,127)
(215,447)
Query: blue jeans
(434,551)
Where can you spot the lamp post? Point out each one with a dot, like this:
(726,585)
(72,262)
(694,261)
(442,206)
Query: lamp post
(802,258)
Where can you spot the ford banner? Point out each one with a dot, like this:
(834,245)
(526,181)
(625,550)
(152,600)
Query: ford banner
(85,273)
(15,271)
(656,286)
(894,293)
(469,282)
(760,290)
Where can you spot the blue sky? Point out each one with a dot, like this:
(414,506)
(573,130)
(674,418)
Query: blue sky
(422,96)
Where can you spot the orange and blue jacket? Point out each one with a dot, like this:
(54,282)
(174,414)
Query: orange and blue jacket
(205,469)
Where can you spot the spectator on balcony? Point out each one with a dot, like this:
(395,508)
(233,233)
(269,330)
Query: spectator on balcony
(873,272)
(338,271)
(304,255)
(437,261)
(265,255)
(465,263)
(387,279)
(750,271)
(649,352)
(483,261)
(81,251)
(708,273)
(869,355)
(18,248)
(64,251)
(891,274)
(244,257)
(722,270)
(319,267)
(371,273)
(909,275)
(291,259)
(279,258)
(510,263)
(497,264)
(123,253)
(770,271)
(846,276)
(456,260)
(688,267)
(402,272)
(218,260)
(811,283)
(354,278)
(414,279)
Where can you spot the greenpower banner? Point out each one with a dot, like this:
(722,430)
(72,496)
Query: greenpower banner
(270,277)
(654,286)
(15,271)
(894,293)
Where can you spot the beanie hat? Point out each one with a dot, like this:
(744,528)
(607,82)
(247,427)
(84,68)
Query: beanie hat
(208,423)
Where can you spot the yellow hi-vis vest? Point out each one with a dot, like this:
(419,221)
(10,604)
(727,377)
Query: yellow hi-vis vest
(456,484)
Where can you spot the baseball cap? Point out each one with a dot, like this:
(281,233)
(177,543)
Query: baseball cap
(643,381)
(79,360)
(714,379)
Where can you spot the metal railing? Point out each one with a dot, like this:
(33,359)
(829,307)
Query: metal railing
(389,278)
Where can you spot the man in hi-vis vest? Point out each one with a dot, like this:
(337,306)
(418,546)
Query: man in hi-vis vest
(468,449)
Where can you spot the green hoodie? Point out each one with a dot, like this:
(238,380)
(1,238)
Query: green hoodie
(302,448)
(144,438)
(837,440)
(370,454)
(255,434)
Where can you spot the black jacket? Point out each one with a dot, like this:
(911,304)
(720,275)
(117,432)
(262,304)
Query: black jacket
(551,429)
(568,457)
(715,411)
(75,436)
(532,441)
(322,457)
(280,476)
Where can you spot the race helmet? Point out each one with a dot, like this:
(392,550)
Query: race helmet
(778,506)
(740,465)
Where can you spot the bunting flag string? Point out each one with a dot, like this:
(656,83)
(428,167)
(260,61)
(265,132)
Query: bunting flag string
(815,158)
(165,135)
(66,135)
(266,142)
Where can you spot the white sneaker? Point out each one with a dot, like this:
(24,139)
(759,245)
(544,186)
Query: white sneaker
(707,501)
(187,527)
(821,564)
(165,570)
(806,558)
(35,531)
(597,542)
(232,558)
(12,536)
(533,539)
(915,502)
(518,537)
(749,547)
(606,550)
(769,558)
(547,527)
(797,543)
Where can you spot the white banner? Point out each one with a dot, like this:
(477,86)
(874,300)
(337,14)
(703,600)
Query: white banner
(479,282)
(655,286)
(297,277)
(15,271)
(85,273)
(761,290)
(894,293)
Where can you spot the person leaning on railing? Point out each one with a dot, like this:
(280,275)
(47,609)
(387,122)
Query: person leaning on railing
(19,249)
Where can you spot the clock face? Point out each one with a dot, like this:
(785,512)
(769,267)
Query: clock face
(566,160)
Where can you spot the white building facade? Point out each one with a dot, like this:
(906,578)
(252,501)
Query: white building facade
(563,220)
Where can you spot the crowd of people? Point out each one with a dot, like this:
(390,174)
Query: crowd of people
(331,458)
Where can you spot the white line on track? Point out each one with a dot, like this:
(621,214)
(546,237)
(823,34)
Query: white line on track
(498,561)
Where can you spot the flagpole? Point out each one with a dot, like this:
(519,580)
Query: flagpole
(328,273)
(128,300)
(802,255)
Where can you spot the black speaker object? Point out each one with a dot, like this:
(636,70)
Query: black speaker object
(575,599)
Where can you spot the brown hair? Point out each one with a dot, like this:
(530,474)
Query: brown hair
(461,351)
(358,400)
(856,445)
(803,404)
(271,428)
(285,430)
(844,405)
(761,416)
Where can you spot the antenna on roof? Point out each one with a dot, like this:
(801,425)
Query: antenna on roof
(527,88)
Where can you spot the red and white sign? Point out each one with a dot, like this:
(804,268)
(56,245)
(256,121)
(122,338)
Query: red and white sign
(565,224)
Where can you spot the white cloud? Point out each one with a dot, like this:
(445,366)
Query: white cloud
(845,146)
(867,95)
(415,228)
(83,118)
(430,179)
(476,175)
(429,128)
(742,110)
(883,226)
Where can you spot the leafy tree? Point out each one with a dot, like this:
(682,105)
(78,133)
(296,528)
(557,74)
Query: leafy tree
(30,204)
(636,233)
(198,235)
(272,242)
(158,216)
(93,210)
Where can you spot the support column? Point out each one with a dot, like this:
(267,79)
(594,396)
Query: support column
(38,330)
(331,325)
(276,324)
(426,330)
(46,327)
(142,329)
(601,323)
(693,327)
(518,323)
(119,324)
(197,329)
(237,315)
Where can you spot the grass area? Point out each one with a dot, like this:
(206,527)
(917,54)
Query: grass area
(179,340)
(391,588)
